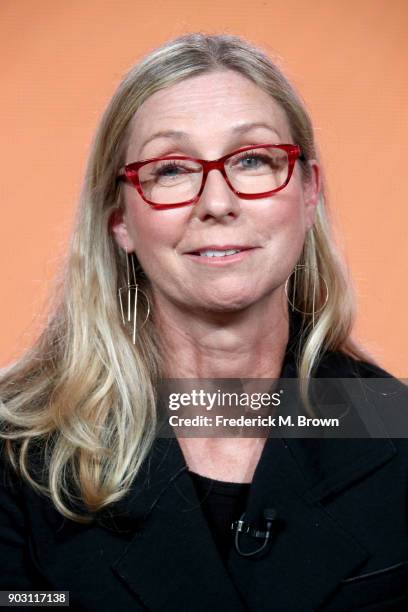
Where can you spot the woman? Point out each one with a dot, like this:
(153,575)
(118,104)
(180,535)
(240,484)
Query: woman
(202,219)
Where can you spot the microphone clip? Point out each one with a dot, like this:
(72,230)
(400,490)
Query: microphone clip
(241,526)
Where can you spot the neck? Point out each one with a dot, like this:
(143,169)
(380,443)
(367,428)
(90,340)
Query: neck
(245,344)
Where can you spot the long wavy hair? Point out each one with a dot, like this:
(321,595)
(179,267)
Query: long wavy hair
(83,396)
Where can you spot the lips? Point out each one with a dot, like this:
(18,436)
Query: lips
(221,255)
(223,247)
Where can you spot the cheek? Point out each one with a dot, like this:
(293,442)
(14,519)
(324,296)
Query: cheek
(152,230)
(283,227)
(283,215)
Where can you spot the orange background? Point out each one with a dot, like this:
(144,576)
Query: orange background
(61,61)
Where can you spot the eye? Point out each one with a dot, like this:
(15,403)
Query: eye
(169,169)
(252,160)
(259,161)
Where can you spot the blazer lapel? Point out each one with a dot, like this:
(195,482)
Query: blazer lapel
(172,562)
(310,553)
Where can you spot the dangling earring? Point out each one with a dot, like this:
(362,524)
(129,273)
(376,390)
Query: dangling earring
(299,267)
(132,286)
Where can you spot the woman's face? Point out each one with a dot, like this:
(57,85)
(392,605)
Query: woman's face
(206,112)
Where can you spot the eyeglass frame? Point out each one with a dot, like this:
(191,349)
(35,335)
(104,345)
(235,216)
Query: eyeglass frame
(130,172)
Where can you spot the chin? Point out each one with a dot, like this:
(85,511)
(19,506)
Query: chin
(229,303)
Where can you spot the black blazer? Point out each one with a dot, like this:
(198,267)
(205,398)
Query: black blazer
(342,542)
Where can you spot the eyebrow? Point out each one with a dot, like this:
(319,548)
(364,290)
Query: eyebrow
(237,130)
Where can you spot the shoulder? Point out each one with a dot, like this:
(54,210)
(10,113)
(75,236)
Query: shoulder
(373,392)
(337,364)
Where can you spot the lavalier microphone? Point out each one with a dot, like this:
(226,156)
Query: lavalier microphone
(241,526)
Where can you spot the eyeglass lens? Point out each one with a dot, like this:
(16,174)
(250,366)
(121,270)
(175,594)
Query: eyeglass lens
(249,172)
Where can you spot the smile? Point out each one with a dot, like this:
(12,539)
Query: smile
(218,257)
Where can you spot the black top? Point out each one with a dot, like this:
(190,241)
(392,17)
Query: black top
(222,503)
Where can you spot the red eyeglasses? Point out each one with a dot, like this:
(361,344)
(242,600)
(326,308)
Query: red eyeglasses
(176,180)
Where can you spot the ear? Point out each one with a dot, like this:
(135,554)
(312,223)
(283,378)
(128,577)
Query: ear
(311,191)
(118,227)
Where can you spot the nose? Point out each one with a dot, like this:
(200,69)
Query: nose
(217,199)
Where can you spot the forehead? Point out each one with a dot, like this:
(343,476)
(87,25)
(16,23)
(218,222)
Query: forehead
(206,107)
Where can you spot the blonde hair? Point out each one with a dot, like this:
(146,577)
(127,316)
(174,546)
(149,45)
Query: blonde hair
(83,395)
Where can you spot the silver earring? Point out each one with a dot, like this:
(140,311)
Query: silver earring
(292,300)
(130,287)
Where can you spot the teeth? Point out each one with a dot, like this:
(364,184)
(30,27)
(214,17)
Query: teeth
(219,253)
